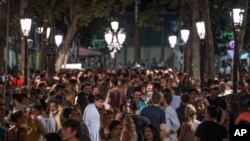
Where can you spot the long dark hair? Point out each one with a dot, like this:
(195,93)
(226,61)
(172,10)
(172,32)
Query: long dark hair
(82,101)
(155,131)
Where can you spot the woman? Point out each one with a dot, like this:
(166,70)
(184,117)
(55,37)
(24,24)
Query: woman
(184,85)
(129,130)
(189,127)
(124,109)
(151,133)
(107,117)
(17,132)
(77,115)
(224,119)
(115,129)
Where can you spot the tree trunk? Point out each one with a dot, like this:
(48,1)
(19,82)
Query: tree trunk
(66,60)
(66,45)
(188,57)
(43,45)
(195,41)
(47,22)
(209,62)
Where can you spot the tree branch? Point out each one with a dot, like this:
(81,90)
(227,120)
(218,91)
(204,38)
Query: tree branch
(71,10)
(93,4)
(52,4)
(66,20)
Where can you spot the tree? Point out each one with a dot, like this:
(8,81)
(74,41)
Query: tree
(194,39)
(80,13)
(210,69)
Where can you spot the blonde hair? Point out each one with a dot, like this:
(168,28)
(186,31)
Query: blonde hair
(190,111)
(128,123)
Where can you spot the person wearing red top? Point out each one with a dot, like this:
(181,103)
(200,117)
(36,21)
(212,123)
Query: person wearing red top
(245,116)
(114,96)
(17,81)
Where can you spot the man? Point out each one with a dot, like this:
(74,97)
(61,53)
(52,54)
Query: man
(70,130)
(17,104)
(135,80)
(155,115)
(115,95)
(213,98)
(48,123)
(210,130)
(172,121)
(87,90)
(137,95)
(55,113)
(58,91)
(91,117)
(201,106)
(193,93)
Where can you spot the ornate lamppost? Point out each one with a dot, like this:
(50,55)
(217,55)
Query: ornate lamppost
(115,38)
(200,25)
(237,16)
(25,26)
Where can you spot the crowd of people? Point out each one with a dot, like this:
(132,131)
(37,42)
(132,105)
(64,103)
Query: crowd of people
(117,105)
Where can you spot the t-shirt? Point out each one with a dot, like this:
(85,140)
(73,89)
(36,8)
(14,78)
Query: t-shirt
(181,113)
(155,115)
(49,124)
(20,107)
(116,96)
(211,131)
(175,102)
(243,117)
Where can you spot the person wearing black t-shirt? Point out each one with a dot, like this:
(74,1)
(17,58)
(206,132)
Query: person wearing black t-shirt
(181,110)
(154,113)
(210,130)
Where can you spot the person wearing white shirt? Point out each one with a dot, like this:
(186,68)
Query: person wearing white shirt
(228,69)
(91,117)
(172,121)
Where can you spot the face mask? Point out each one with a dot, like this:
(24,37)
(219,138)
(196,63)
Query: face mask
(54,112)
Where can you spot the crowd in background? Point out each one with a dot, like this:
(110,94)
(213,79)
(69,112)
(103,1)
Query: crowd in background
(117,105)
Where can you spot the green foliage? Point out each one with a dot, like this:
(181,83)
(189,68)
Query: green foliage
(221,24)
(153,13)
(97,44)
(2,2)
(221,40)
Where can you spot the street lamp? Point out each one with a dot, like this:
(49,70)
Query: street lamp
(115,38)
(48,33)
(172,40)
(40,30)
(58,40)
(185,35)
(237,16)
(25,26)
(200,25)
